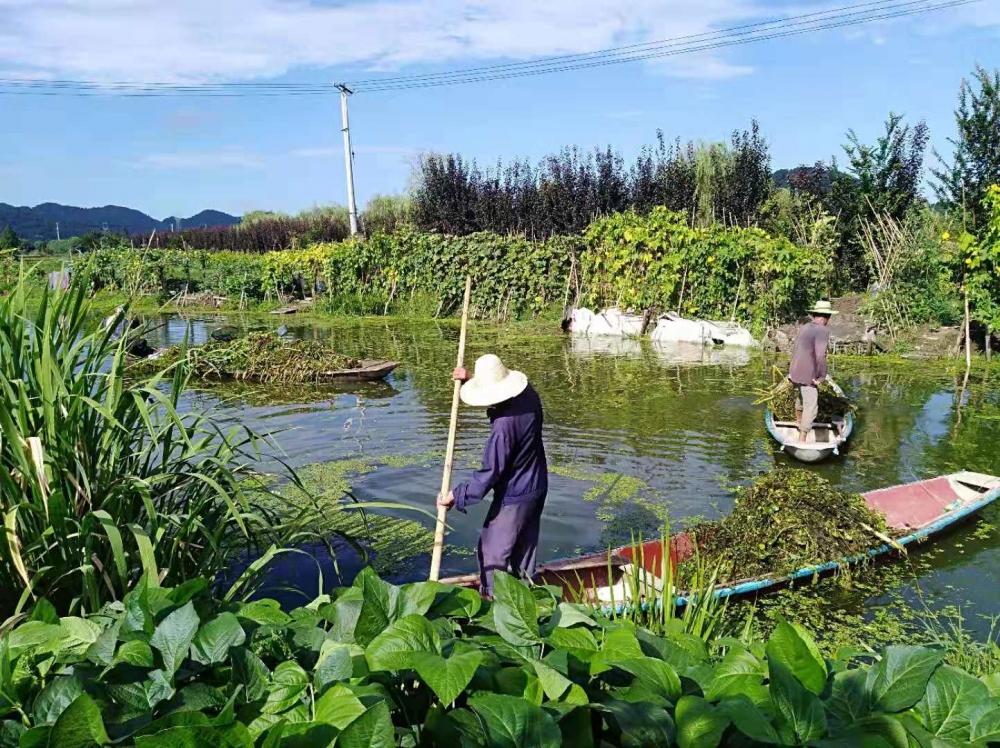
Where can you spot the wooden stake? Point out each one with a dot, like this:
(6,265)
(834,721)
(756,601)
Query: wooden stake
(449,454)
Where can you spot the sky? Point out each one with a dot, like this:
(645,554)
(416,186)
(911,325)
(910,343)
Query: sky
(179,155)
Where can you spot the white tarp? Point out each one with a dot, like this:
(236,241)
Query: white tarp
(672,328)
(609,322)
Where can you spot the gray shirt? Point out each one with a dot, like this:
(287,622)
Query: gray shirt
(809,356)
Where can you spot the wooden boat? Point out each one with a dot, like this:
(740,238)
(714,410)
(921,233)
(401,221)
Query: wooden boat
(825,439)
(369,371)
(915,511)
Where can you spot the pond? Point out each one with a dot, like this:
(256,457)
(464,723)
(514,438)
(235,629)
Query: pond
(636,434)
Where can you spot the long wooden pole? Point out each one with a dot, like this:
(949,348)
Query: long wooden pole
(449,453)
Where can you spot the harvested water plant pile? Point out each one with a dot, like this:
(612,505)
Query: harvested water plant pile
(786,520)
(780,399)
(258,357)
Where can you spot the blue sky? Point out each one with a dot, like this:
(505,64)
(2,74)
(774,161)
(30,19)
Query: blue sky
(176,156)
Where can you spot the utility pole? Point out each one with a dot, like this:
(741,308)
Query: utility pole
(57,230)
(352,207)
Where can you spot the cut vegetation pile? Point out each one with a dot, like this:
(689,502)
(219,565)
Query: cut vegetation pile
(780,399)
(259,357)
(785,521)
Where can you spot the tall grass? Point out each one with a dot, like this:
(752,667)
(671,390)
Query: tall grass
(102,478)
(652,599)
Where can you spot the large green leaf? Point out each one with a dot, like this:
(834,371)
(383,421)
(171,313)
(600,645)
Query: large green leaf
(377,608)
(338,707)
(554,683)
(699,724)
(641,725)
(335,664)
(135,652)
(579,642)
(263,612)
(231,736)
(900,678)
(394,648)
(515,611)
(749,719)
(738,673)
(516,681)
(447,677)
(949,702)
(512,722)
(174,635)
(288,682)
(55,697)
(618,645)
(654,674)
(373,729)
(344,614)
(250,672)
(985,722)
(794,650)
(457,602)
(10,733)
(850,699)
(798,707)
(212,642)
(79,726)
(421,595)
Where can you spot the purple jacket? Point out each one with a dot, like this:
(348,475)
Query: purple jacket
(514,464)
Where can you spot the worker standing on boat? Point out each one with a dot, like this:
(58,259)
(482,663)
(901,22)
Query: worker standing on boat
(514,468)
(808,367)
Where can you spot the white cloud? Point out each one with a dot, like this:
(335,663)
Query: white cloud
(230,40)
(218,160)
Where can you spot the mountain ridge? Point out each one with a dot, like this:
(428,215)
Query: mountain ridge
(38,223)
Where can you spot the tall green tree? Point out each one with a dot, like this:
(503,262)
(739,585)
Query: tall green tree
(880,179)
(9,239)
(976,162)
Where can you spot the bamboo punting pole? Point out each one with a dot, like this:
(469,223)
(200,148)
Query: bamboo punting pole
(449,454)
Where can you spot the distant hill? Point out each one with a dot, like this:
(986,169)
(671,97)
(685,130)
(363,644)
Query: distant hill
(39,223)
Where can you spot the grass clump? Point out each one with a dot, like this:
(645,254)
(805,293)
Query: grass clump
(785,521)
(258,357)
(780,400)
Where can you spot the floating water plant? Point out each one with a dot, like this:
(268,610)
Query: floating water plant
(259,357)
(780,399)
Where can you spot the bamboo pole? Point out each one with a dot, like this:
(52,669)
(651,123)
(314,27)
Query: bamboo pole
(449,454)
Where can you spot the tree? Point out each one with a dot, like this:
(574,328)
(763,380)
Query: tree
(976,163)
(880,180)
(9,239)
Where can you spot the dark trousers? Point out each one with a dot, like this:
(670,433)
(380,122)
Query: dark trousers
(509,541)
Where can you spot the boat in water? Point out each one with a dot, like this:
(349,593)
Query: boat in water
(914,512)
(825,439)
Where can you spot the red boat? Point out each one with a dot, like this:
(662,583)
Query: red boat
(916,511)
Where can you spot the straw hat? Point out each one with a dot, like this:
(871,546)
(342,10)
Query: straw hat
(823,307)
(492,383)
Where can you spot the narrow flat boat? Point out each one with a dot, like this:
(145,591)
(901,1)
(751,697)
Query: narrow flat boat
(915,512)
(368,371)
(825,439)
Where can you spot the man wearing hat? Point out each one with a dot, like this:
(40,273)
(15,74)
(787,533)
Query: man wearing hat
(808,367)
(514,468)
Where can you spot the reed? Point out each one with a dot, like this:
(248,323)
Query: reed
(104,479)
(653,600)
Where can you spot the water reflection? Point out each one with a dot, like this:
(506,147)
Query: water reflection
(678,423)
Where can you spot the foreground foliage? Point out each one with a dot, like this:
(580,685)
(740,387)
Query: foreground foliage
(429,664)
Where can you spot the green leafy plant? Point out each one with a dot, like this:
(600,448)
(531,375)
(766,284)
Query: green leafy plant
(431,664)
(103,480)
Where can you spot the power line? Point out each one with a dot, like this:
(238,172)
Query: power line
(851,15)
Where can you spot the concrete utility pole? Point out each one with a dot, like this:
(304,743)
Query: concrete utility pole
(352,207)
(57,230)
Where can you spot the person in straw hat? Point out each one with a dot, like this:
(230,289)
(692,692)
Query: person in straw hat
(514,468)
(808,367)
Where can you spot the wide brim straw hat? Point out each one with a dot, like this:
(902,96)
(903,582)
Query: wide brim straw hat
(492,383)
(823,307)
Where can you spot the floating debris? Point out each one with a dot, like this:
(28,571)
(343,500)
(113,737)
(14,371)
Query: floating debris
(780,399)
